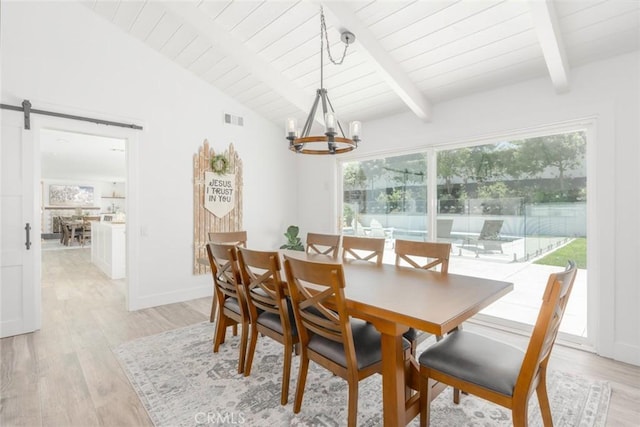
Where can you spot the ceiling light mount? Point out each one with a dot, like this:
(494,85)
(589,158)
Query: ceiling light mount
(347,37)
(334,140)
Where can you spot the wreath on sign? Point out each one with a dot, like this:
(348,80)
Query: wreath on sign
(219,164)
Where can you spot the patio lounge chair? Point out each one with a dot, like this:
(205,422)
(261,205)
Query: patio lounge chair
(489,239)
(444,228)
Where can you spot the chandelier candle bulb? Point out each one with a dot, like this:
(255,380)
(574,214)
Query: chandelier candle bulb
(355,130)
(291,127)
(330,121)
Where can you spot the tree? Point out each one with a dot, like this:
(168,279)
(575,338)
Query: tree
(396,200)
(354,179)
(354,176)
(496,190)
(451,165)
(562,153)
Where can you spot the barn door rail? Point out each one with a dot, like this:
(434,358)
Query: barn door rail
(26,108)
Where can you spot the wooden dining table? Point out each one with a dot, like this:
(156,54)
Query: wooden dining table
(396,298)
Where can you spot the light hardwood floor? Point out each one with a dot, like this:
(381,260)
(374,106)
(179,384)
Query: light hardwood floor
(66,375)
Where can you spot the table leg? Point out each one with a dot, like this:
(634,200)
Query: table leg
(399,375)
(393,383)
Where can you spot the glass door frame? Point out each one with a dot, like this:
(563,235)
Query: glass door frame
(588,125)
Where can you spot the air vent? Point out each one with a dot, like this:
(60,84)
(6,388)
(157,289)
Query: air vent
(231,119)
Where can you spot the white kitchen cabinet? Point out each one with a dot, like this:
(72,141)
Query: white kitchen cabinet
(108,248)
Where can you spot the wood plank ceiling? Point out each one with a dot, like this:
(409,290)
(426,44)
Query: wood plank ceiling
(408,55)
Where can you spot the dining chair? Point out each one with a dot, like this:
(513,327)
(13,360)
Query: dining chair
(495,371)
(65,230)
(324,244)
(356,248)
(424,255)
(58,226)
(238,238)
(228,299)
(270,312)
(349,348)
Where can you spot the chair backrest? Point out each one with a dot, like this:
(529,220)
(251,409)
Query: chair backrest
(262,283)
(491,229)
(236,238)
(317,296)
(554,303)
(363,249)
(444,228)
(425,255)
(223,259)
(325,244)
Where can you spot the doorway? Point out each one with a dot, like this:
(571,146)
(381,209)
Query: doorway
(82,177)
(115,192)
(83,204)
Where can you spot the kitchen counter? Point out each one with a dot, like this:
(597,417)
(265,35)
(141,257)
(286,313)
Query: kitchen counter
(108,248)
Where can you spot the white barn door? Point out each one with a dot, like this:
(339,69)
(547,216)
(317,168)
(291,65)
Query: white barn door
(20,229)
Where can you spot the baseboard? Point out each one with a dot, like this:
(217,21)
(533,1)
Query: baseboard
(627,353)
(182,295)
(10,328)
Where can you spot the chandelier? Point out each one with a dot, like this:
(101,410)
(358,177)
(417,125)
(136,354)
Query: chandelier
(334,140)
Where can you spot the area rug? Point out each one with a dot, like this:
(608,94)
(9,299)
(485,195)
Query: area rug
(182,383)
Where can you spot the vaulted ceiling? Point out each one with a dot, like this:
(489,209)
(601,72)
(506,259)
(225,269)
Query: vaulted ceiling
(408,55)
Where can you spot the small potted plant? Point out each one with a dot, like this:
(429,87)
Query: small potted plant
(293,240)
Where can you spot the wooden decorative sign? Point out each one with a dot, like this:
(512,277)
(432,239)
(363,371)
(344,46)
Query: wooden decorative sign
(217,198)
(219,193)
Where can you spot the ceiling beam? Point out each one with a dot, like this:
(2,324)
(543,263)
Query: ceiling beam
(248,59)
(370,47)
(550,39)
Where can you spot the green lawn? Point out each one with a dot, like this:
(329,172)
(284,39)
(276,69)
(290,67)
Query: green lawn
(576,250)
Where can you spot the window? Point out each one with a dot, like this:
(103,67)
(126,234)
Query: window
(513,210)
(386,197)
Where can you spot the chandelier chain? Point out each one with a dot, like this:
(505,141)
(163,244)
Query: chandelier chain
(323,31)
(334,138)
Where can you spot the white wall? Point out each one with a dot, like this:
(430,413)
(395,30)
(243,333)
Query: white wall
(62,56)
(608,91)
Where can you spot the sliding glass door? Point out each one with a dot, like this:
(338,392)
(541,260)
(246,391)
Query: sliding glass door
(513,210)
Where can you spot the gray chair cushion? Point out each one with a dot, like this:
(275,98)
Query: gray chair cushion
(232,304)
(272,321)
(476,359)
(366,340)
